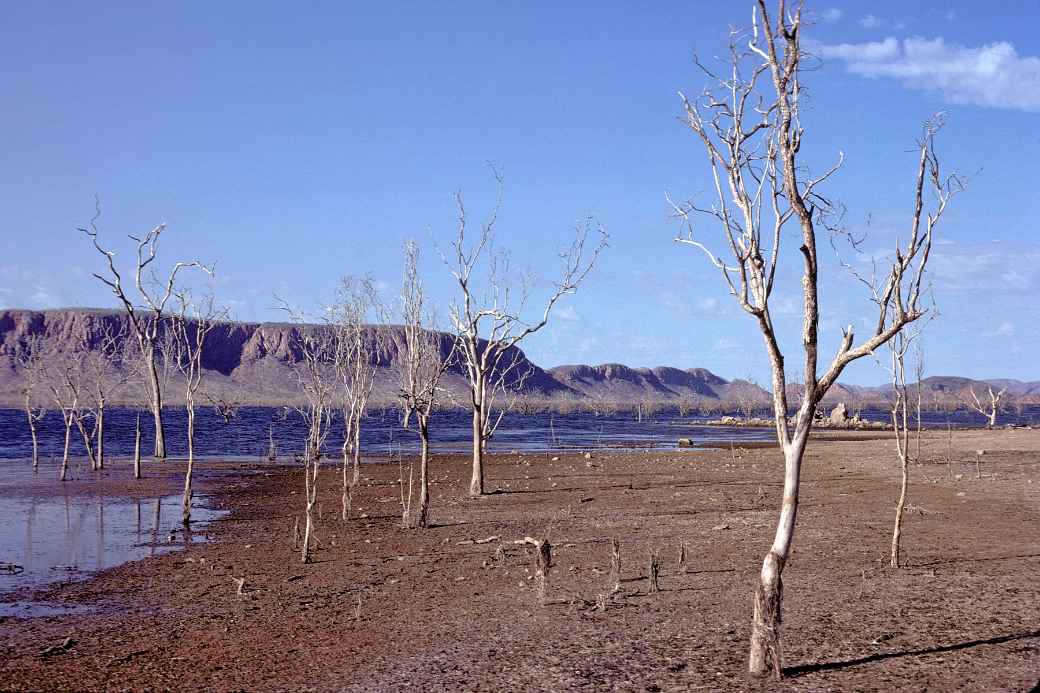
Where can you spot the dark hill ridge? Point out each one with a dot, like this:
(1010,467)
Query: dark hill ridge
(252,363)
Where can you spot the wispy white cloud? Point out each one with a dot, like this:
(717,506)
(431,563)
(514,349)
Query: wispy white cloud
(567,313)
(870,22)
(1004,329)
(832,14)
(992,75)
(725,344)
(976,269)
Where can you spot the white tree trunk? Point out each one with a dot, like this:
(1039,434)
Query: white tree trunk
(160,436)
(422,518)
(101,436)
(765,656)
(137,448)
(186,500)
(476,484)
(65,454)
(35,443)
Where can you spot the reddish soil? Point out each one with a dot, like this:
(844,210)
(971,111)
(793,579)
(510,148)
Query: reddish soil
(384,608)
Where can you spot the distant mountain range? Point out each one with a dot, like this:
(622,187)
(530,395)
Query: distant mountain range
(251,363)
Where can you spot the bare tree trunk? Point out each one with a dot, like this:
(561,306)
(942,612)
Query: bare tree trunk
(101,436)
(476,484)
(898,528)
(160,436)
(35,443)
(357,450)
(992,418)
(422,519)
(186,500)
(137,448)
(765,656)
(311,496)
(87,443)
(346,498)
(65,454)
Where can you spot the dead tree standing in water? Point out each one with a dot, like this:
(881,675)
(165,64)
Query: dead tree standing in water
(146,322)
(63,380)
(489,324)
(424,364)
(752,135)
(33,365)
(105,371)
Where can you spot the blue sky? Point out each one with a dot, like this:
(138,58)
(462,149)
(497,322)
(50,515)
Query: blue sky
(296,144)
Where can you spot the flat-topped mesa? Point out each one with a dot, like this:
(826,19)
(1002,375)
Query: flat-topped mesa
(254,360)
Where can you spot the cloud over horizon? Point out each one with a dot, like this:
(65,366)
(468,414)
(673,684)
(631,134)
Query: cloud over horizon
(992,75)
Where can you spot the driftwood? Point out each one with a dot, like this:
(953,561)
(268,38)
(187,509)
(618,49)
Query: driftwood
(543,551)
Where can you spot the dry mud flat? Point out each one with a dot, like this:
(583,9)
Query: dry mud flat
(384,608)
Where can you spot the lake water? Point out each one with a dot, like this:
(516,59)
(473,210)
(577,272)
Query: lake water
(247,433)
(47,536)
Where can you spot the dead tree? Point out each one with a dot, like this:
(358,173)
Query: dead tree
(104,373)
(33,364)
(63,380)
(226,409)
(990,409)
(900,411)
(356,357)
(752,135)
(489,323)
(424,363)
(189,327)
(145,321)
(653,573)
(615,566)
(314,367)
(137,447)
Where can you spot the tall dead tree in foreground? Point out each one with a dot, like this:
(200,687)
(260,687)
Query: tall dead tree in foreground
(190,326)
(989,409)
(488,319)
(145,320)
(33,365)
(752,134)
(424,364)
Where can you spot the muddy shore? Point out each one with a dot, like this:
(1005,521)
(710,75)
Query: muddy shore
(455,607)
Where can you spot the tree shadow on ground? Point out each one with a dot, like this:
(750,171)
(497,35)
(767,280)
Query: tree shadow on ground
(881,656)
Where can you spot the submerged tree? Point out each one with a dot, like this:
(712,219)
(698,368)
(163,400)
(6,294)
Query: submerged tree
(752,135)
(64,380)
(489,319)
(33,364)
(145,321)
(424,362)
(105,371)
